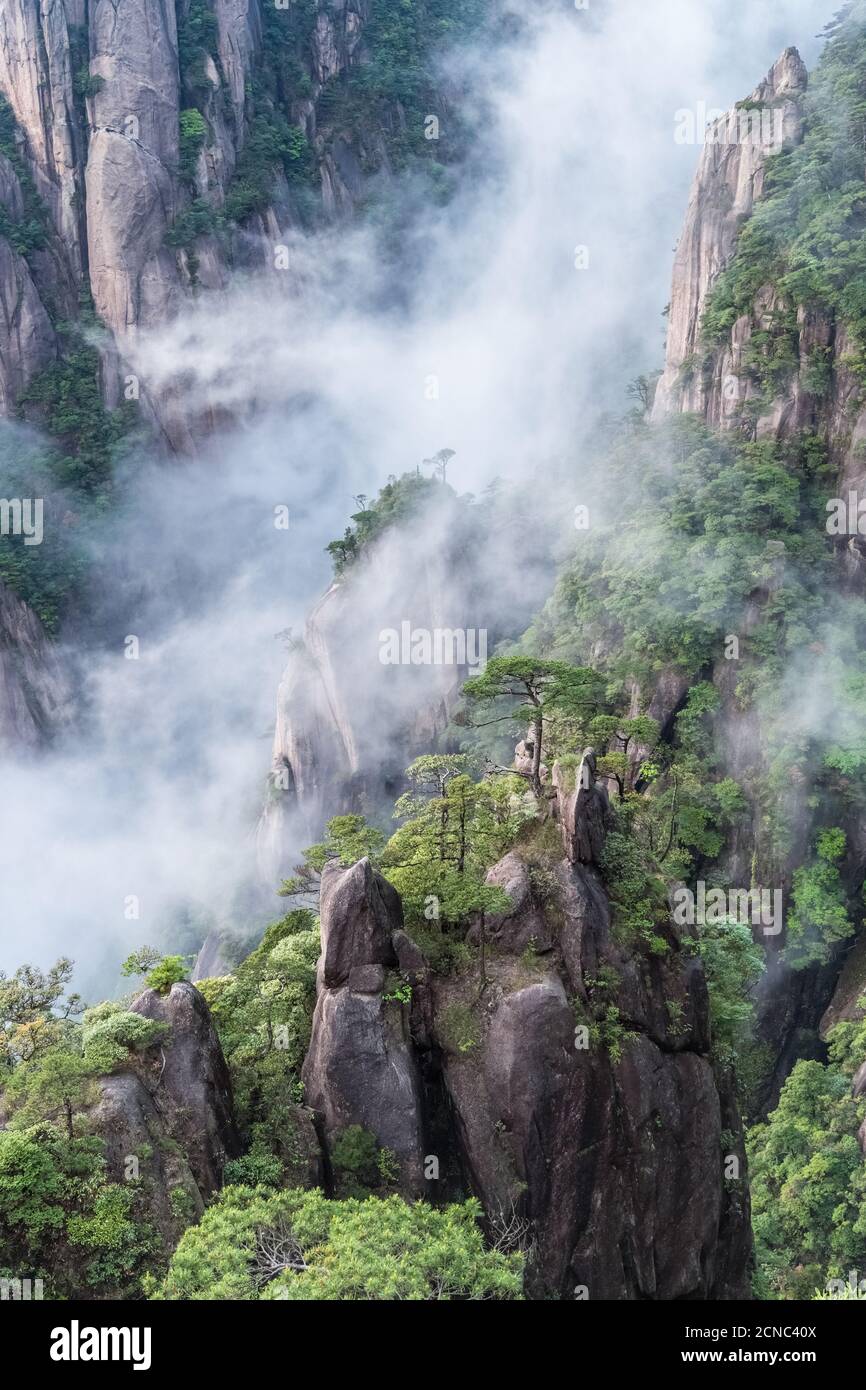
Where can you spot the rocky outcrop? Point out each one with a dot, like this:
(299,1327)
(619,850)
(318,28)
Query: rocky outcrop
(720,382)
(844,1007)
(132,156)
(37,79)
(360,912)
(588,1111)
(35,687)
(189,1081)
(211,960)
(27,342)
(584,811)
(349,722)
(728,182)
(565,1073)
(361,1067)
(139,1146)
(524,924)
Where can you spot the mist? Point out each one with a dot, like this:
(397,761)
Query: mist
(482,335)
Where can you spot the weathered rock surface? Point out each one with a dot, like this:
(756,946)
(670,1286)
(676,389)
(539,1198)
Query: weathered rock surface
(604,1149)
(597,1143)
(211,960)
(27,342)
(36,78)
(584,811)
(347,722)
(133,1130)
(359,913)
(851,987)
(35,687)
(361,1067)
(525,924)
(190,1084)
(133,151)
(717,382)
(728,181)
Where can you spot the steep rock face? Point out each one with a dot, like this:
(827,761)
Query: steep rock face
(133,1130)
(347,723)
(37,79)
(35,688)
(584,812)
(610,1155)
(525,923)
(27,340)
(717,382)
(26,335)
(190,1083)
(601,1151)
(728,181)
(133,151)
(239,27)
(210,961)
(851,986)
(361,1067)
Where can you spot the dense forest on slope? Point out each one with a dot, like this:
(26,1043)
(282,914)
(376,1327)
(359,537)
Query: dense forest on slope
(483,1054)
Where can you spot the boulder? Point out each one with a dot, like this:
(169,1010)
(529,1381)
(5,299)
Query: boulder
(525,924)
(361,1067)
(599,1145)
(584,811)
(189,1081)
(359,913)
(139,1147)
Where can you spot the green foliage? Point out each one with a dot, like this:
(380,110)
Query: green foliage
(73,476)
(85,83)
(161,972)
(403,42)
(199,219)
(459,1028)
(57,1082)
(355,1161)
(702,523)
(263,1015)
(193,133)
(521,690)
(818,917)
(347,839)
(454,829)
(637,891)
(398,500)
(299,1245)
(67,397)
(272,143)
(197,38)
(733,964)
(111,1032)
(809,1183)
(61,1218)
(33,1010)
